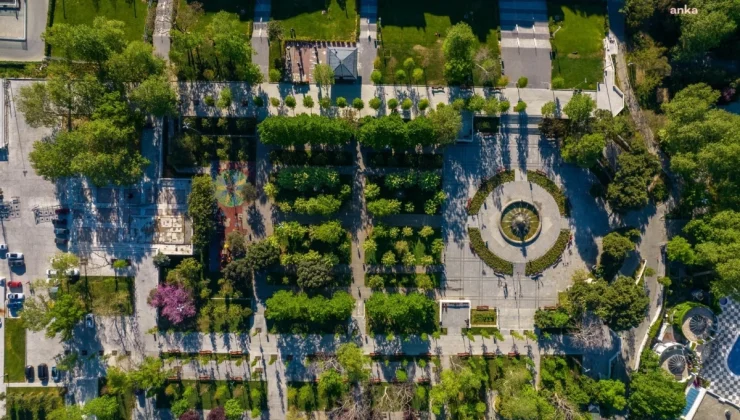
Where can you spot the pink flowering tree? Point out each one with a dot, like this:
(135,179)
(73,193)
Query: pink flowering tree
(175,302)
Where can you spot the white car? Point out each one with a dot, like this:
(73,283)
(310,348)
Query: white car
(15,255)
(70,272)
(15,296)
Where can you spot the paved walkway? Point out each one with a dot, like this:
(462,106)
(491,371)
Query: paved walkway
(260,43)
(608,95)
(367,47)
(525,42)
(162,26)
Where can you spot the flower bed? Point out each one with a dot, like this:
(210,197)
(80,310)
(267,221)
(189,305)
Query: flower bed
(309,190)
(539,178)
(397,159)
(551,256)
(392,246)
(381,281)
(481,317)
(311,157)
(497,263)
(486,188)
(410,192)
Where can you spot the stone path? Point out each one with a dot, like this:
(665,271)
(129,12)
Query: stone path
(525,42)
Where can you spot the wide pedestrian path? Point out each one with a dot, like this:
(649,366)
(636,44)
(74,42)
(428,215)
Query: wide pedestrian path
(525,42)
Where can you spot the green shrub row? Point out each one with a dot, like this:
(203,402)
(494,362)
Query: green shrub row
(311,157)
(551,187)
(410,280)
(487,187)
(498,264)
(540,264)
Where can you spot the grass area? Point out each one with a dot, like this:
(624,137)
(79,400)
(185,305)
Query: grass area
(244,9)
(481,317)
(309,21)
(409,29)
(105,295)
(131,13)
(392,239)
(32,403)
(577,45)
(15,350)
(507,374)
(211,394)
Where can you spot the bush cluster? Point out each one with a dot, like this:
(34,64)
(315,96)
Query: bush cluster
(498,264)
(551,256)
(401,314)
(298,313)
(412,280)
(311,157)
(549,320)
(551,187)
(308,190)
(405,192)
(304,129)
(486,188)
(424,161)
(392,131)
(403,246)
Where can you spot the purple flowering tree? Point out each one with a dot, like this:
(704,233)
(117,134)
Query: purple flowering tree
(175,302)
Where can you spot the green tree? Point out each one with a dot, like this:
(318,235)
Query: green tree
(392,104)
(274,30)
(150,375)
(202,209)
(476,103)
(94,43)
(617,246)
(384,207)
(457,392)
(520,106)
(314,272)
(417,75)
(585,151)
(323,75)
(66,412)
(679,249)
(549,109)
(375,103)
(161,260)
(458,48)
(308,102)
(406,104)
(232,47)
(262,254)
(134,64)
(629,189)
(65,314)
(377,77)
(234,409)
(341,102)
(624,304)
(447,124)
(400,75)
(358,104)
(611,394)
(104,408)
(579,109)
(423,104)
(325,102)
(35,313)
(248,192)
(224,98)
(331,386)
(355,364)
(522,82)
(656,395)
(275,75)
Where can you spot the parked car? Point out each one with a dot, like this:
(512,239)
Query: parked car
(62,210)
(61,231)
(29,373)
(43,372)
(14,263)
(59,221)
(12,284)
(3,248)
(55,374)
(89,321)
(71,272)
(15,255)
(15,296)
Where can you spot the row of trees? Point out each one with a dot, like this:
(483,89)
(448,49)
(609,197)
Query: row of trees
(102,88)
(396,313)
(440,127)
(287,307)
(304,129)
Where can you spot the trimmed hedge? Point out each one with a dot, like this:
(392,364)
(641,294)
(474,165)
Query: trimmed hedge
(487,187)
(540,264)
(551,187)
(497,263)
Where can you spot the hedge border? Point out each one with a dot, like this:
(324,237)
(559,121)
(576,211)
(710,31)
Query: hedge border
(539,178)
(486,187)
(492,260)
(551,256)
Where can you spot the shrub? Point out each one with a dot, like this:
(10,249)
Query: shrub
(210,101)
(552,188)
(520,106)
(392,103)
(486,188)
(376,76)
(498,264)
(341,102)
(375,103)
(384,207)
(275,75)
(423,104)
(556,319)
(551,256)
(358,104)
(407,104)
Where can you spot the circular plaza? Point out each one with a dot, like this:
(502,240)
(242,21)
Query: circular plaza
(520,221)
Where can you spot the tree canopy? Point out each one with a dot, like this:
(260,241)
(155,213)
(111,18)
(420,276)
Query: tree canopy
(304,129)
(202,209)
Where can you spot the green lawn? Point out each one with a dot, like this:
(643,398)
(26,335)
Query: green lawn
(578,45)
(305,16)
(15,350)
(242,8)
(409,29)
(131,13)
(32,403)
(105,295)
